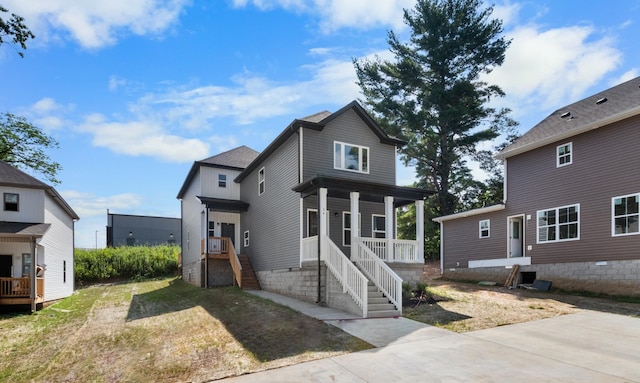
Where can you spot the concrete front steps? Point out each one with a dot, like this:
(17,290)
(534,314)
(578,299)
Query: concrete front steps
(378,305)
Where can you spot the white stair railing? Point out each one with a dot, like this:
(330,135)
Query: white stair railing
(380,274)
(352,280)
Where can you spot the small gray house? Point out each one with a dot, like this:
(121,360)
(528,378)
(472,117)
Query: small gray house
(571,204)
(311,217)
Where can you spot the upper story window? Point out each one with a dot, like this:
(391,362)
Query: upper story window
(222,180)
(564,154)
(349,157)
(484,228)
(559,224)
(261,181)
(625,215)
(11,201)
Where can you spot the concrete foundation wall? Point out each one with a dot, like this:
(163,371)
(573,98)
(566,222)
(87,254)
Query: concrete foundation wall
(410,273)
(191,272)
(608,277)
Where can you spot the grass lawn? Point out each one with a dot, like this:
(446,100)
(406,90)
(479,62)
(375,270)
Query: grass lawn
(161,331)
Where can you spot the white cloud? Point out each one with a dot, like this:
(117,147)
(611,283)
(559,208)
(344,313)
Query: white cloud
(142,138)
(48,115)
(95,24)
(548,68)
(90,205)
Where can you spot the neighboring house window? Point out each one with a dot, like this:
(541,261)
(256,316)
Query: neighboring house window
(246,238)
(346,227)
(559,224)
(261,181)
(378,226)
(64,271)
(222,180)
(484,227)
(11,201)
(312,222)
(354,158)
(564,154)
(626,214)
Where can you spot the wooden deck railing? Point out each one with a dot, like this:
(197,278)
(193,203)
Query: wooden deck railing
(20,287)
(235,262)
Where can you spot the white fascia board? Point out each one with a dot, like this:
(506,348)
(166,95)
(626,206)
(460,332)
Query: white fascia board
(470,213)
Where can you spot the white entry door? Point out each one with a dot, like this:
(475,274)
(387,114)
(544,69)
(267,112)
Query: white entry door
(516,241)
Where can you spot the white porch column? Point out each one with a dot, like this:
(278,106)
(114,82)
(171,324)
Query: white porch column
(322,213)
(388,227)
(355,227)
(420,228)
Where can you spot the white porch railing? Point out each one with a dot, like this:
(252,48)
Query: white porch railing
(352,280)
(386,279)
(402,250)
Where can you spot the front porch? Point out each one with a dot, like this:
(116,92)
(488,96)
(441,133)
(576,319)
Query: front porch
(17,291)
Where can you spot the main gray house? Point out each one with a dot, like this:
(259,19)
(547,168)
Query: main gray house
(313,216)
(571,203)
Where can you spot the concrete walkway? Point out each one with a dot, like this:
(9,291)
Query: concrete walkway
(584,347)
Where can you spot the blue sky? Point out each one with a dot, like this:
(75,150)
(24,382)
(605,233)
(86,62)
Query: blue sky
(135,91)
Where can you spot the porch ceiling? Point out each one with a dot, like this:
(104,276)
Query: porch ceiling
(226,205)
(369,191)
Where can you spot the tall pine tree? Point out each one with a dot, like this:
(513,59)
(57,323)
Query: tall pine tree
(431,94)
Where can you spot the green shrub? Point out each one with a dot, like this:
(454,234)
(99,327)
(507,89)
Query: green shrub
(132,263)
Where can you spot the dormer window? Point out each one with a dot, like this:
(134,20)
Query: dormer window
(11,201)
(564,155)
(350,157)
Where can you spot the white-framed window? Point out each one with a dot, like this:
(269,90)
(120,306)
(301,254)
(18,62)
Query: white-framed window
(625,215)
(354,158)
(346,227)
(11,202)
(260,181)
(245,238)
(559,224)
(484,228)
(564,154)
(222,180)
(378,226)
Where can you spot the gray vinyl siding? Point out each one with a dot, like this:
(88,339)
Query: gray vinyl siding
(462,243)
(350,129)
(336,205)
(605,164)
(273,218)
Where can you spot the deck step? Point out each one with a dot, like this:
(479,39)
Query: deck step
(249,279)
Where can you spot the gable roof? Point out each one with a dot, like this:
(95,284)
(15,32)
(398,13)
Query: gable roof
(614,104)
(317,122)
(235,159)
(13,177)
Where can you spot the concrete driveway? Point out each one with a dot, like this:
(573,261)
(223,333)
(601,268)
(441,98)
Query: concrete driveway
(584,347)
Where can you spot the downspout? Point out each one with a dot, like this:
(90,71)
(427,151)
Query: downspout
(319,287)
(34,261)
(206,247)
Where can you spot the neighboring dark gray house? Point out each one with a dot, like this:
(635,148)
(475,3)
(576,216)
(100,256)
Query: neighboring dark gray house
(322,193)
(571,205)
(140,230)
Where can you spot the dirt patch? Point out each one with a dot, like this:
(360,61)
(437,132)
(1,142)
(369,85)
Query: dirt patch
(463,307)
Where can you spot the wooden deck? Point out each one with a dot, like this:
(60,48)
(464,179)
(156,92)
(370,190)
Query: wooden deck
(17,291)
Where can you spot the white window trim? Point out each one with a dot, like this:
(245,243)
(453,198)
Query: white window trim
(373,230)
(488,229)
(557,224)
(558,164)
(222,180)
(344,229)
(309,211)
(360,162)
(261,178)
(245,238)
(613,215)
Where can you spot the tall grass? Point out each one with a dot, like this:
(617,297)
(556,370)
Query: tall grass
(126,262)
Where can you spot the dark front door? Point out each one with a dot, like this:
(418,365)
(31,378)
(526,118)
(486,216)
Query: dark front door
(229,230)
(6,263)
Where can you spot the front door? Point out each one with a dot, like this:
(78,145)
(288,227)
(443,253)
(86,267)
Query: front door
(229,230)
(516,241)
